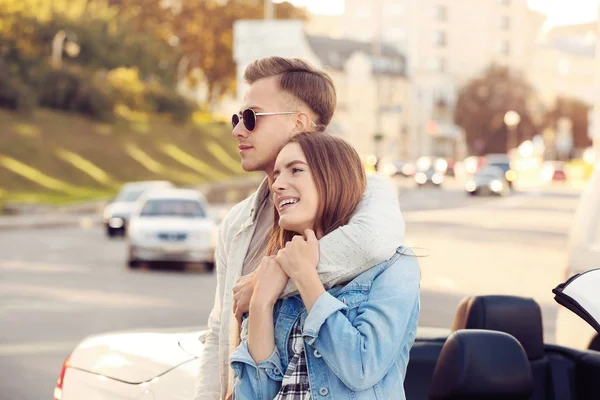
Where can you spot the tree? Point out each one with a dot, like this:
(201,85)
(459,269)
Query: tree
(577,112)
(484,101)
(205,32)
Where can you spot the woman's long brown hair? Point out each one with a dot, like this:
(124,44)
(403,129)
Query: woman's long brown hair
(340,180)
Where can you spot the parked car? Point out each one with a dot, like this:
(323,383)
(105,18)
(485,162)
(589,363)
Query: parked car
(116,213)
(171,225)
(494,350)
(583,255)
(488,180)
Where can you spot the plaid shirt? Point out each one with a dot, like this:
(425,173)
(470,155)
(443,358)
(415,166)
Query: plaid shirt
(295,384)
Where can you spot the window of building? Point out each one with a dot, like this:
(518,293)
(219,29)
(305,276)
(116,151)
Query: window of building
(440,12)
(504,48)
(437,64)
(439,39)
(504,22)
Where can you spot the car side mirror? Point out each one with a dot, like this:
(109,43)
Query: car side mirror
(580,294)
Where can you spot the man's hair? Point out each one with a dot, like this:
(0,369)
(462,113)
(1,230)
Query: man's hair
(300,79)
(340,179)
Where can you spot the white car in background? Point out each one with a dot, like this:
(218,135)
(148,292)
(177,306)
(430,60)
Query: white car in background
(117,213)
(171,225)
(584,255)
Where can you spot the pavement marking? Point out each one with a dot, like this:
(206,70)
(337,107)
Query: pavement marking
(21,349)
(20,265)
(90,297)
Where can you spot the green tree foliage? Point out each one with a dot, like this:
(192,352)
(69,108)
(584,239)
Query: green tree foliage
(484,101)
(205,33)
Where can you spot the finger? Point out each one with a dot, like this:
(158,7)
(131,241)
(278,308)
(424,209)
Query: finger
(310,236)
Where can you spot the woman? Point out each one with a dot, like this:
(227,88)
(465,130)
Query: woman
(351,341)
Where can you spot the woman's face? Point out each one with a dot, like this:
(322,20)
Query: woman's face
(294,192)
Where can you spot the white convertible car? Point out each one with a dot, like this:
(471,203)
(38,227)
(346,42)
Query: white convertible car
(495,351)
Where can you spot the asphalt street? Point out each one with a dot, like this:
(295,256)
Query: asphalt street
(58,286)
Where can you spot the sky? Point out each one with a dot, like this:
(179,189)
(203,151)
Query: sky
(559,12)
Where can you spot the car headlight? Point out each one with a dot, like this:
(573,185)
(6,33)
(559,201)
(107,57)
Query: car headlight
(116,222)
(141,235)
(510,175)
(470,186)
(421,178)
(496,186)
(437,178)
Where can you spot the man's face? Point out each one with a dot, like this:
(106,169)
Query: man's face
(259,148)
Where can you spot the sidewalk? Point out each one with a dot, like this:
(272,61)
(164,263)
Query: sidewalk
(48,221)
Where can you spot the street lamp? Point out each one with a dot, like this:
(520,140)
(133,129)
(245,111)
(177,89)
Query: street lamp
(63,40)
(511,119)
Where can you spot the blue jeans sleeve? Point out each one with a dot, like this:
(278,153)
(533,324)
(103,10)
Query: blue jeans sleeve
(255,382)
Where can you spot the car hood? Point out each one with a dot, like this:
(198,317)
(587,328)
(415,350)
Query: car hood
(485,179)
(146,224)
(135,357)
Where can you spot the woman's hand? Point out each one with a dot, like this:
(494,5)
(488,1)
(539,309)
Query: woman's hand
(268,285)
(269,282)
(300,256)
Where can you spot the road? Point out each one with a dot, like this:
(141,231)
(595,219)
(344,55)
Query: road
(58,286)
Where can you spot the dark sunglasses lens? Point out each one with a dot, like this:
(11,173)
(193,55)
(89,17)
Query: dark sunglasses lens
(249,119)
(235,119)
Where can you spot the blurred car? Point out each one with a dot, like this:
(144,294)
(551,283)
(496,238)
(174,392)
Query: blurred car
(163,365)
(116,213)
(429,177)
(502,161)
(554,171)
(398,168)
(583,255)
(488,180)
(171,225)
(430,171)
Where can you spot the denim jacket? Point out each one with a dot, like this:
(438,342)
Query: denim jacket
(357,337)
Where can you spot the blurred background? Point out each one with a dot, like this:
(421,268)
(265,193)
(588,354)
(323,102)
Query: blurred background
(484,114)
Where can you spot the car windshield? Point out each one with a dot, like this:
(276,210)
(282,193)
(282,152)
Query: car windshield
(173,208)
(504,166)
(129,195)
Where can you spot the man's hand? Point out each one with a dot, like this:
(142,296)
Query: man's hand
(300,256)
(242,292)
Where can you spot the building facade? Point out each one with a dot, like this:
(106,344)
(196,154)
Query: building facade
(373,111)
(446,42)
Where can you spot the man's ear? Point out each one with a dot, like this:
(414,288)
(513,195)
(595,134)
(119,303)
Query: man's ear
(303,123)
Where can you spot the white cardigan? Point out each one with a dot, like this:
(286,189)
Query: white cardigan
(373,234)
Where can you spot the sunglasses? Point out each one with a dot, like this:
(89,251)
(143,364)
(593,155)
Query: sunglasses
(248,116)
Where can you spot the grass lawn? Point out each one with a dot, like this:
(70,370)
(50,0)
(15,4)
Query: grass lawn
(56,158)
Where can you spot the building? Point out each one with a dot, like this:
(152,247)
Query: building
(563,63)
(446,42)
(373,111)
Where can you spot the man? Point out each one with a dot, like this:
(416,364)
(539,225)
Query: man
(286,96)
